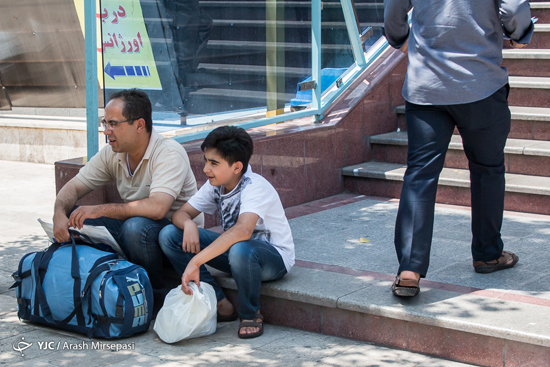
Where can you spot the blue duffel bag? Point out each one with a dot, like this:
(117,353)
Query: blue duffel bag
(80,288)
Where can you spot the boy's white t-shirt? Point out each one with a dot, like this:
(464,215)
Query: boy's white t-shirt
(253,194)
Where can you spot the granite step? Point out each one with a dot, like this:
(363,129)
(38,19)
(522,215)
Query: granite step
(541,10)
(527,62)
(527,122)
(524,193)
(528,91)
(341,286)
(528,157)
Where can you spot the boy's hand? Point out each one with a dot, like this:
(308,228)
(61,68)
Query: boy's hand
(190,242)
(191,274)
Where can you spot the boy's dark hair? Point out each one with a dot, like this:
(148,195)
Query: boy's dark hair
(136,105)
(232,143)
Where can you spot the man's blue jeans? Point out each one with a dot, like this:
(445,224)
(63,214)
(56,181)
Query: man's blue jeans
(249,262)
(138,238)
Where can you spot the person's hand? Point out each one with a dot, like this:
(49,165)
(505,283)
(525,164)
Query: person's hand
(80,214)
(405,47)
(514,44)
(191,274)
(191,242)
(61,228)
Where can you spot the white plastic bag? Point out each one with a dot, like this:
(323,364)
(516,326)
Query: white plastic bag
(184,317)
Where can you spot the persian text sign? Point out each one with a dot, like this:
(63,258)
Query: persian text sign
(127,54)
(125,47)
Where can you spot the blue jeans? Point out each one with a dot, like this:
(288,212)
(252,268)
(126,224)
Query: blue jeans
(249,262)
(138,239)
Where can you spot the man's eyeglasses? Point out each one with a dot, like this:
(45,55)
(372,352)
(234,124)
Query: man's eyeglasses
(112,124)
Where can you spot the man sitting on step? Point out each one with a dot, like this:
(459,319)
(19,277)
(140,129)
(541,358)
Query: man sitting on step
(152,175)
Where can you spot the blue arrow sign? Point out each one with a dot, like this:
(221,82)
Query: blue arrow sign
(126,70)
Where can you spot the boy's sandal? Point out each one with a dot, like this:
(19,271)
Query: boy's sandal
(506,260)
(258,322)
(405,287)
(227,318)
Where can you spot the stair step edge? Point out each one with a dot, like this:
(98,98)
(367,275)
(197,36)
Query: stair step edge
(516,183)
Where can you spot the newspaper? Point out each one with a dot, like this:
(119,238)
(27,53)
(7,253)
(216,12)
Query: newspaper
(98,234)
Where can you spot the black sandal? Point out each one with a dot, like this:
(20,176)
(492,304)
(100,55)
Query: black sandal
(405,287)
(506,260)
(257,322)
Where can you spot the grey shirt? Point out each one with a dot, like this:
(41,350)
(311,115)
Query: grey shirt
(455,46)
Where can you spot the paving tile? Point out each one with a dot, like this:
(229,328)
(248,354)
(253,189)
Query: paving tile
(6,281)
(436,362)
(370,355)
(311,345)
(8,305)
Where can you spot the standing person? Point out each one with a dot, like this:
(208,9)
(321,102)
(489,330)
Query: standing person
(152,175)
(454,78)
(256,244)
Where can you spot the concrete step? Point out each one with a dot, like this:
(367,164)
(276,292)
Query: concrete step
(523,193)
(527,122)
(528,157)
(541,10)
(527,62)
(341,285)
(529,91)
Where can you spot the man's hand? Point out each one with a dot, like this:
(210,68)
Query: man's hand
(61,229)
(80,214)
(191,274)
(191,241)
(405,47)
(514,44)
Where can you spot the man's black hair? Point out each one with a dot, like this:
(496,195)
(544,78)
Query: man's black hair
(136,105)
(232,143)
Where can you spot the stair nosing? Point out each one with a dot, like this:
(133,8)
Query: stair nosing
(530,82)
(539,148)
(530,54)
(445,180)
(540,5)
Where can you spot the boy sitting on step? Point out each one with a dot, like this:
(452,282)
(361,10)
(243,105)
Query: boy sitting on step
(256,244)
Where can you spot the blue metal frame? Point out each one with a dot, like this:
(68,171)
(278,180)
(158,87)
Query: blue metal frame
(316,57)
(353,33)
(90,46)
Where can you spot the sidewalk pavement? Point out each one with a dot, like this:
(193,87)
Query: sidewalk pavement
(28,193)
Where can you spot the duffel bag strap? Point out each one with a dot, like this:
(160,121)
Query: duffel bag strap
(41,266)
